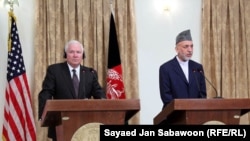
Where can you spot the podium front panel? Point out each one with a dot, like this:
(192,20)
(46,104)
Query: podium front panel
(71,121)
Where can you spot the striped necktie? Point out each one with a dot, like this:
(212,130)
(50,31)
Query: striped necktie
(75,82)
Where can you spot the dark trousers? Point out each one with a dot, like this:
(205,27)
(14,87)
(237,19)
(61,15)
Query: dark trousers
(52,133)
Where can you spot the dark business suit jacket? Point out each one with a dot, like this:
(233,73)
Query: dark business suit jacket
(58,84)
(173,83)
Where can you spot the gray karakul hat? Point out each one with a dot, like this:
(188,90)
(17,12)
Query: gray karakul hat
(184,36)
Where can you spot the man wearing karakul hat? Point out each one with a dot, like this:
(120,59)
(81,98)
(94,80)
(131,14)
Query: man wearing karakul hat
(182,77)
(184,35)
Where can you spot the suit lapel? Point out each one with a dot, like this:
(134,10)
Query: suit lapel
(82,83)
(179,71)
(192,76)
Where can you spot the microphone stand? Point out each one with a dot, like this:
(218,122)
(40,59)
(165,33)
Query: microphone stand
(217,96)
(197,84)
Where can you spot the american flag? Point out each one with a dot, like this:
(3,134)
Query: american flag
(18,124)
(115,86)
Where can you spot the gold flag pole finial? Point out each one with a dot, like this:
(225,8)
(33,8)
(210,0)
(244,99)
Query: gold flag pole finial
(11,3)
(11,15)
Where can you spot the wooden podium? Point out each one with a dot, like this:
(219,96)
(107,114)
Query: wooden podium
(69,115)
(201,111)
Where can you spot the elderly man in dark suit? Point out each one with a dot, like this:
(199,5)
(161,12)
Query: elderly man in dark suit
(59,80)
(182,77)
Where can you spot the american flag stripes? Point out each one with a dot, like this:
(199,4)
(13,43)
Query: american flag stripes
(18,124)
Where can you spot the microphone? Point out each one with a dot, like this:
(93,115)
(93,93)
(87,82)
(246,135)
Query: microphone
(197,83)
(92,70)
(217,96)
(94,73)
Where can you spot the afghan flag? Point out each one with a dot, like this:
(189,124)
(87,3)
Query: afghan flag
(115,86)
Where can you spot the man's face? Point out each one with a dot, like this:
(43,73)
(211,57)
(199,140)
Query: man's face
(184,50)
(74,54)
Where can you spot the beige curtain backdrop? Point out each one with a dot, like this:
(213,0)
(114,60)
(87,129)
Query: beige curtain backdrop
(58,21)
(226,48)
